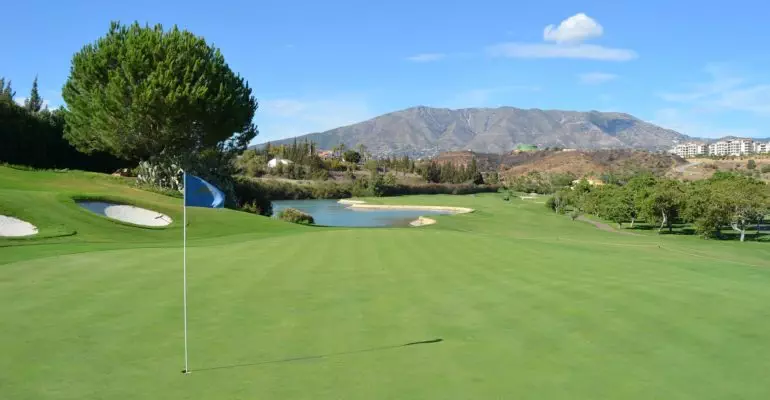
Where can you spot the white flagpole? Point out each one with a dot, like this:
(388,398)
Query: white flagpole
(184,267)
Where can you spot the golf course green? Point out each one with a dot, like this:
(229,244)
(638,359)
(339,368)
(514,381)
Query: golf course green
(527,304)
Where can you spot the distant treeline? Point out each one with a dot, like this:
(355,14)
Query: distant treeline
(258,193)
(34,137)
(726,200)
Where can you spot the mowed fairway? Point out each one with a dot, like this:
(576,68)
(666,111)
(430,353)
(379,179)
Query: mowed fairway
(529,305)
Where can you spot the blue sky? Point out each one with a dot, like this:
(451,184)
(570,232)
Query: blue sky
(697,67)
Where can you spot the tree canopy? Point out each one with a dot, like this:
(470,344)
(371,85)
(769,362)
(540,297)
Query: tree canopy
(141,92)
(726,200)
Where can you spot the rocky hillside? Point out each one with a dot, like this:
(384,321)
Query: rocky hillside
(425,131)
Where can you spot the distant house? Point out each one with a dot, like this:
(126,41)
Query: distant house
(274,162)
(591,181)
(325,154)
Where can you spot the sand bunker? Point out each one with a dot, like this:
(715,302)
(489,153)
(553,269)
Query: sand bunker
(422,221)
(14,227)
(453,210)
(126,213)
(348,201)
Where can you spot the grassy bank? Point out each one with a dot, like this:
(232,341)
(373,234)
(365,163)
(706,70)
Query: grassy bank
(527,304)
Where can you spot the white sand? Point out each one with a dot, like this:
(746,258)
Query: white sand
(125,213)
(455,210)
(14,227)
(422,221)
(348,201)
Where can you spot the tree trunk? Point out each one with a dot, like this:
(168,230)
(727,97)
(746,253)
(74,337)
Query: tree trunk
(662,222)
(742,231)
(632,222)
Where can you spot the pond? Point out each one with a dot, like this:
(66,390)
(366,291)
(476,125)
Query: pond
(331,213)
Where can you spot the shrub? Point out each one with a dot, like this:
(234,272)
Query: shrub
(320,175)
(251,207)
(296,216)
(766,169)
(751,164)
(390,179)
(251,197)
(550,204)
(161,175)
(574,214)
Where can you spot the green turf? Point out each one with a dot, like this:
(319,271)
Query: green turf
(530,305)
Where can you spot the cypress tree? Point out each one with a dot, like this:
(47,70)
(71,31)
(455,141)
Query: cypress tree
(34,103)
(6,93)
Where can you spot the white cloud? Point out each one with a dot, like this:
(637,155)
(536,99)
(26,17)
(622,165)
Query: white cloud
(426,57)
(568,37)
(596,78)
(286,117)
(574,29)
(545,50)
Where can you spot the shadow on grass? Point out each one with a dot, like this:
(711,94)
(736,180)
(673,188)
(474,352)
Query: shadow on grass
(679,229)
(725,233)
(319,356)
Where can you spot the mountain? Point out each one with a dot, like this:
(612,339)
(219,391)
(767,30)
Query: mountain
(426,131)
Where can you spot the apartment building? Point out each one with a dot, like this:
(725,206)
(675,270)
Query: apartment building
(692,149)
(760,147)
(734,147)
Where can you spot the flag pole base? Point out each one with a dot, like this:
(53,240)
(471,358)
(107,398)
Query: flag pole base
(186,372)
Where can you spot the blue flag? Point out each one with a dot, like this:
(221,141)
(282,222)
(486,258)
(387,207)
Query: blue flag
(199,193)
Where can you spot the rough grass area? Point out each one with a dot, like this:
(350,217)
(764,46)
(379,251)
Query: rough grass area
(527,304)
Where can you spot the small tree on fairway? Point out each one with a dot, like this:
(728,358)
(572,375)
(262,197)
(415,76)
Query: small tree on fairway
(664,203)
(619,207)
(746,202)
(637,189)
(144,93)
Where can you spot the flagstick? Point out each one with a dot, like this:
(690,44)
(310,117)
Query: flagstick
(184,267)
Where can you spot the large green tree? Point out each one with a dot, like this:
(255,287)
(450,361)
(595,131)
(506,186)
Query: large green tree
(143,93)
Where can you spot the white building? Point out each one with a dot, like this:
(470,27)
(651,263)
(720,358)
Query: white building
(734,147)
(691,149)
(760,147)
(274,162)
